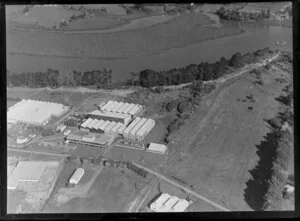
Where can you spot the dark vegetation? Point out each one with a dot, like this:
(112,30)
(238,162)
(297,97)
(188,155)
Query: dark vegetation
(237,15)
(48,132)
(265,190)
(186,106)
(204,71)
(55,78)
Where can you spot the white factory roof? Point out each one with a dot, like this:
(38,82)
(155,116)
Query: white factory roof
(147,126)
(98,124)
(157,148)
(91,125)
(85,123)
(132,125)
(123,107)
(26,171)
(167,203)
(128,108)
(116,127)
(138,126)
(106,105)
(77,175)
(121,129)
(110,114)
(110,126)
(112,106)
(35,112)
(117,107)
(104,125)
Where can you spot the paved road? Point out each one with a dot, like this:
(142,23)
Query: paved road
(37,152)
(183,187)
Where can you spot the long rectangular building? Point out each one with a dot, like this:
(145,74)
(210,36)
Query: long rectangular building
(145,129)
(117,107)
(130,127)
(104,125)
(128,108)
(121,129)
(109,127)
(112,106)
(106,105)
(123,108)
(99,140)
(87,122)
(118,117)
(136,128)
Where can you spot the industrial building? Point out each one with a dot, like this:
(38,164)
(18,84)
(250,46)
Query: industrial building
(157,148)
(137,130)
(144,130)
(26,171)
(76,176)
(91,139)
(130,127)
(111,116)
(121,107)
(35,112)
(168,203)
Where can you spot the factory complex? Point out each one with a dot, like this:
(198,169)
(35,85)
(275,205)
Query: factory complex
(119,119)
(35,112)
(136,130)
(168,203)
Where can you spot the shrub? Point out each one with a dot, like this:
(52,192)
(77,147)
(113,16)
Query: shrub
(48,132)
(171,105)
(181,107)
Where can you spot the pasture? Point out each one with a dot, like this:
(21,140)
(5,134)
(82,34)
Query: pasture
(216,149)
(112,191)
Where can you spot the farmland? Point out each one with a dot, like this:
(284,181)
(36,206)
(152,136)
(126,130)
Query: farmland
(215,151)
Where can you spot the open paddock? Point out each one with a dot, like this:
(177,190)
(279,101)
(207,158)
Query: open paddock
(111,192)
(216,150)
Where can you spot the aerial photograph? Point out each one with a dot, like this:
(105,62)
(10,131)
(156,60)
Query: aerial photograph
(150,108)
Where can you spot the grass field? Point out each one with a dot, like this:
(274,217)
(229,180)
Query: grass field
(183,30)
(112,191)
(215,151)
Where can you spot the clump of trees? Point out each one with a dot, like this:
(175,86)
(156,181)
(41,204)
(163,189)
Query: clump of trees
(55,78)
(48,132)
(236,15)
(204,71)
(274,196)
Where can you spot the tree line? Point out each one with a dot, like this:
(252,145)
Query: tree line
(194,72)
(55,78)
(237,15)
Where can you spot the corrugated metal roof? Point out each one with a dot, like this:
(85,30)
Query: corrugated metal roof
(109,114)
(123,107)
(145,127)
(112,106)
(103,126)
(107,105)
(128,108)
(133,123)
(121,129)
(117,107)
(138,126)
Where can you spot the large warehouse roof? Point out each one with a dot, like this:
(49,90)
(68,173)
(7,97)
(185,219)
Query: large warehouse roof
(35,112)
(109,114)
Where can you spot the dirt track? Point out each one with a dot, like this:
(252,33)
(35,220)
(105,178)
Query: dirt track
(215,151)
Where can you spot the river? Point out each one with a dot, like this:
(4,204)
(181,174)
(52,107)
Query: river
(257,36)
